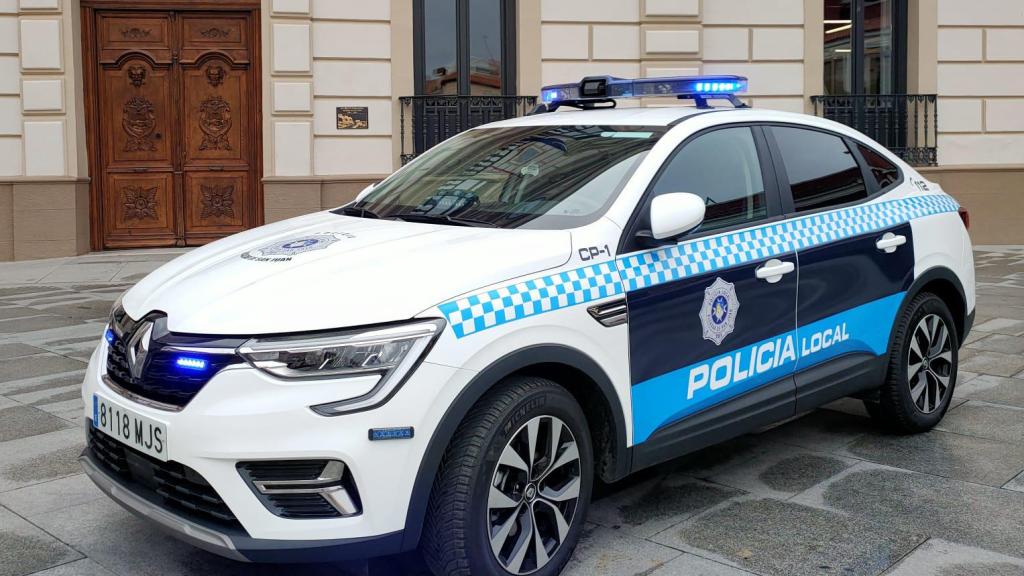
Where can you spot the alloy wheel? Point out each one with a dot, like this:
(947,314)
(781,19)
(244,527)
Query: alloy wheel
(533,494)
(929,363)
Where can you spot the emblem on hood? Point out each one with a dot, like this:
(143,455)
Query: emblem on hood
(285,250)
(718,314)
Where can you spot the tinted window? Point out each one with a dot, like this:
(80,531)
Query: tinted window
(821,169)
(884,172)
(541,177)
(723,168)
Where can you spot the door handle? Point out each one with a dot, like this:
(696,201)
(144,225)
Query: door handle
(773,270)
(889,242)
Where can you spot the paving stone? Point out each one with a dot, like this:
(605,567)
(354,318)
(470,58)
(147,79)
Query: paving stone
(31,501)
(87,310)
(994,363)
(7,293)
(712,460)
(782,471)
(97,528)
(691,565)
(605,551)
(8,312)
(84,272)
(999,343)
(649,507)
(33,323)
(8,351)
(967,458)
(25,549)
(938,557)
(24,421)
(1017,484)
(787,539)
(821,430)
(84,567)
(1009,326)
(985,420)
(42,383)
(972,514)
(40,458)
(38,365)
(996,390)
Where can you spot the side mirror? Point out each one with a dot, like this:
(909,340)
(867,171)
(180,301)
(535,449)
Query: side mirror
(365,192)
(675,213)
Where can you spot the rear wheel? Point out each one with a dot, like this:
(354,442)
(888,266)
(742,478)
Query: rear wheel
(922,368)
(512,492)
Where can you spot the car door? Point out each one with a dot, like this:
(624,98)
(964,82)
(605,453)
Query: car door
(856,258)
(712,317)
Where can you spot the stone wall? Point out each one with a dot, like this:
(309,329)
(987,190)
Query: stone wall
(981,82)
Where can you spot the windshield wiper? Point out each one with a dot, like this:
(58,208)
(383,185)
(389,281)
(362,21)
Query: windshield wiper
(442,219)
(357,212)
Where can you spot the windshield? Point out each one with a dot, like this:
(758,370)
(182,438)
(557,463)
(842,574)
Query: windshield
(540,177)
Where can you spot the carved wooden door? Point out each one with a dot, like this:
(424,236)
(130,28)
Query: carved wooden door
(178,124)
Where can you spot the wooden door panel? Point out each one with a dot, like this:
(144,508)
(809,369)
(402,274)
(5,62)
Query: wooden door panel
(226,34)
(138,115)
(215,127)
(140,204)
(215,203)
(120,33)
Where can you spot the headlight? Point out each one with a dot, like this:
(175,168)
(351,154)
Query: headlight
(391,352)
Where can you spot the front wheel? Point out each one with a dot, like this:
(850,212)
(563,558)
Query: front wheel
(513,489)
(922,368)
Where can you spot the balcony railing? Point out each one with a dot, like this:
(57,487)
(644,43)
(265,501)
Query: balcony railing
(903,123)
(427,120)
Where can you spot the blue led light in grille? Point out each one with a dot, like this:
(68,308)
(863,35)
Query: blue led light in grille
(190,363)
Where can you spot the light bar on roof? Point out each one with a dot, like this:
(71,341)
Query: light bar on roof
(609,87)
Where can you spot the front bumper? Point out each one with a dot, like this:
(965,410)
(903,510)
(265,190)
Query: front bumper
(236,544)
(242,414)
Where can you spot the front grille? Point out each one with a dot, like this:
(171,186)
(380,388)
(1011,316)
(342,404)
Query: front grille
(177,486)
(161,379)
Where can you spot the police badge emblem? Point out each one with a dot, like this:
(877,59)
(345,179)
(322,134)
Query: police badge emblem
(718,314)
(283,251)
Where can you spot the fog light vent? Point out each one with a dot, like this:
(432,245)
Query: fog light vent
(303,488)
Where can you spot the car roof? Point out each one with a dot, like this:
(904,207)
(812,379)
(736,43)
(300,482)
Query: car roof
(622,116)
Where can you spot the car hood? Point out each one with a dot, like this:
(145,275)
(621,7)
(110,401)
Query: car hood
(325,271)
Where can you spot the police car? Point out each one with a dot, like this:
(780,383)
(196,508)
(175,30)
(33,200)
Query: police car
(452,360)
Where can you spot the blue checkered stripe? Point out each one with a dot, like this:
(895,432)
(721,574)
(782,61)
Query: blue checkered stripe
(531,297)
(519,300)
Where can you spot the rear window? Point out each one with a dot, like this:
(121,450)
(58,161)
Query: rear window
(821,169)
(884,172)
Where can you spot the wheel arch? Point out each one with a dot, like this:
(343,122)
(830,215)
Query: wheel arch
(567,366)
(945,284)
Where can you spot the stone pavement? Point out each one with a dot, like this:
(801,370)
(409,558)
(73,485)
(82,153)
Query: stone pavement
(824,494)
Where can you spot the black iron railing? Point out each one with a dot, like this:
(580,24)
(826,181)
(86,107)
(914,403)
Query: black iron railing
(903,123)
(427,120)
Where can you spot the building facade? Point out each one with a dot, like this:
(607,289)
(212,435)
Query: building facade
(146,123)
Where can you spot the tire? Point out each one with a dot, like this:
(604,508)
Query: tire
(464,512)
(922,369)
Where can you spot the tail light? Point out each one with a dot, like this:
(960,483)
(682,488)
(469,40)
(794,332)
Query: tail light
(965,216)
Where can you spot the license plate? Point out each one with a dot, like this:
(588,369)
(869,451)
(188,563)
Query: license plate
(129,427)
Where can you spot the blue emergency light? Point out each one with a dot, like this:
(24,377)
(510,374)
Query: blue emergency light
(595,90)
(190,363)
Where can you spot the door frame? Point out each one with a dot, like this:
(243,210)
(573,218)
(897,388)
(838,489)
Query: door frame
(90,77)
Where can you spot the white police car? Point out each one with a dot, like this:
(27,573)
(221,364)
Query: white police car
(450,361)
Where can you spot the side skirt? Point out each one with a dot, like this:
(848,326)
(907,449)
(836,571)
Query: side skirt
(767,404)
(843,376)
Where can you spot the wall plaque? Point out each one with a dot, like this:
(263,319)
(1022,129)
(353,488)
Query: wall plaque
(353,117)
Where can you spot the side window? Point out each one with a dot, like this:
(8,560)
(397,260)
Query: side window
(821,169)
(884,172)
(721,166)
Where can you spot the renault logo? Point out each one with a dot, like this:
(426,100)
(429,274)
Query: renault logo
(138,348)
